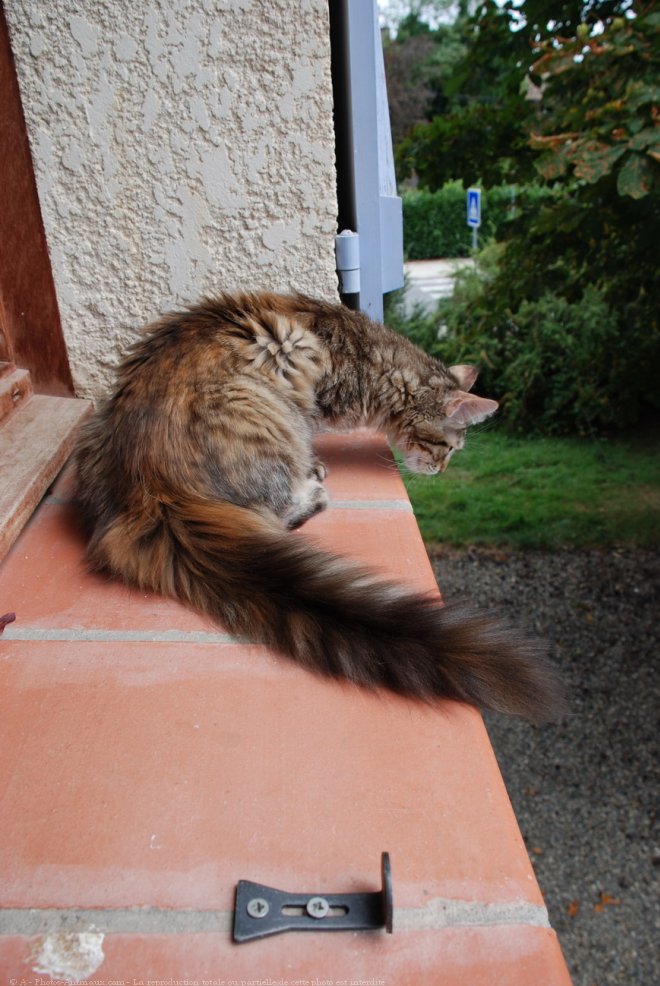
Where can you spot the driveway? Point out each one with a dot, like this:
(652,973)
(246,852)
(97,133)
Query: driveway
(429,280)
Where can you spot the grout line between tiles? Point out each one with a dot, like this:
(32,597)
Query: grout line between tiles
(122,920)
(442,913)
(434,915)
(119,636)
(396,504)
(371,505)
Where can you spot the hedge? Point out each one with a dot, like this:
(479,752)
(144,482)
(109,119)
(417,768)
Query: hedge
(434,223)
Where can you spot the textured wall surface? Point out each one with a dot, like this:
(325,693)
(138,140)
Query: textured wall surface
(180,148)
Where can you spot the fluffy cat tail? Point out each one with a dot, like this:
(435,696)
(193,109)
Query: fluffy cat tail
(331,616)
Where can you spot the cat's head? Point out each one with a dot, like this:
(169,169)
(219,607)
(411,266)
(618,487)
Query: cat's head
(437,420)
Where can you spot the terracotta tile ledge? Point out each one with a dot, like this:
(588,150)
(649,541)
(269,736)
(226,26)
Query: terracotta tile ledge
(154,762)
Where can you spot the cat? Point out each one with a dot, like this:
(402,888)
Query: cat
(192,475)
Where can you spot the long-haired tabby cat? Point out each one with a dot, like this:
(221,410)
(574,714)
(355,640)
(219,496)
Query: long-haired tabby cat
(193,473)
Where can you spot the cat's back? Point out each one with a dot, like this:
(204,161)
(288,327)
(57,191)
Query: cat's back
(175,354)
(264,336)
(193,374)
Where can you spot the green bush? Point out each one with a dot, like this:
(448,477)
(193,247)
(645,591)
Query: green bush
(435,225)
(420,325)
(559,373)
(565,321)
(557,364)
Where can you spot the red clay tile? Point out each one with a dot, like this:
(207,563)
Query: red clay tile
(161,774)
(385,540)
(360,466)
(157,775)
(46,582)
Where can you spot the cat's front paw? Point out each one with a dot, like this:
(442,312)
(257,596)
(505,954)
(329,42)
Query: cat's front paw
(312,500)
(318,471)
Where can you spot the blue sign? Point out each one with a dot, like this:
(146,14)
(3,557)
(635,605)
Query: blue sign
(474,207)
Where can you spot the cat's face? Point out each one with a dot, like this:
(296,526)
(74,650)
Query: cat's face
(437,421)
(429,447)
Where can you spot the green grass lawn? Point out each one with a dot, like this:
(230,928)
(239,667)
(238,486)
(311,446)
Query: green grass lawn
(543,493)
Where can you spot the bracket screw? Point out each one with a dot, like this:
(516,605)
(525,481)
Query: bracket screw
(317,907)
(258,907)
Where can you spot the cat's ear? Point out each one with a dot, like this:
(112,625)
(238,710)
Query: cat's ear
(467,409)
(465,374)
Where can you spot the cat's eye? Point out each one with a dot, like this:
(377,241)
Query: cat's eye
(433,441)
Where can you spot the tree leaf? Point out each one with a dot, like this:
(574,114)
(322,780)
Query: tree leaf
(641,93)
(540,142)
(649,137)
(652,18)
(636,177)
(554,62)
(552,164)
(593,159)
(606,900)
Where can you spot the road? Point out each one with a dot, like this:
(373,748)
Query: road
(429,280)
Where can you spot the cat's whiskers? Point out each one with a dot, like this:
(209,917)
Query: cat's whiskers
(390,463)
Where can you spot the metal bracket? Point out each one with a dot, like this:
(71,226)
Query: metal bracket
(347,253)
(262,911)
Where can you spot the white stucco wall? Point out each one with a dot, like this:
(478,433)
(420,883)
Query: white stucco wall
(180,147)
